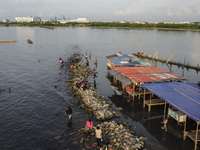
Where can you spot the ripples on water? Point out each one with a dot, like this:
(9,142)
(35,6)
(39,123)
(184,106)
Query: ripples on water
(32,115)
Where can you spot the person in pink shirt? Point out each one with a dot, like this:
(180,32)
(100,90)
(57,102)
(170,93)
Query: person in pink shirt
(89,123)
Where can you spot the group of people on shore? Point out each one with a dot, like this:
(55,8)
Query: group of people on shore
(81,84)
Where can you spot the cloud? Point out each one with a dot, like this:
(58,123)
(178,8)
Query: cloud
(127,12)
(198,10)
(2,10)
(183,11)
(161,8)
(28,1)
(40,14)
(169,12)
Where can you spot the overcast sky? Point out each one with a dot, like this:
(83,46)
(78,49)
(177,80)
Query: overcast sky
(104,10)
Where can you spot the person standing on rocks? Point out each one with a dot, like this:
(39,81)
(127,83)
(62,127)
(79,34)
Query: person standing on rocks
(98,134)
(69,113)
(87,62)
(89,123)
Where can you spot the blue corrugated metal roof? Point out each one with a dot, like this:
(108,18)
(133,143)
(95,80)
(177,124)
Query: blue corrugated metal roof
(119,58)
(183,96)
(134,63)
(119,63)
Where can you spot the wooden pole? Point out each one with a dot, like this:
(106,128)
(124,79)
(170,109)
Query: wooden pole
(133,94)
(150,102)
(164,111)
(144,97)
(156,54)
(184,133)
(170,58)
(196,138)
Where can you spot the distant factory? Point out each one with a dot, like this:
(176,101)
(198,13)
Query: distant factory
(27,19)
(78,20)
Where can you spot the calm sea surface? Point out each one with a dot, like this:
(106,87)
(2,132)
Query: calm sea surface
(32,115)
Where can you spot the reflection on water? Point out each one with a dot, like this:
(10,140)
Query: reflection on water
(32,115)
(25,33)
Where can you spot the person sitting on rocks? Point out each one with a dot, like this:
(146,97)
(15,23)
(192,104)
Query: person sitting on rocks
(85,86)
(75,88)
(72,67)
(77,59)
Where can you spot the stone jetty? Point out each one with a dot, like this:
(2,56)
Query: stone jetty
(118,135)
(91,100)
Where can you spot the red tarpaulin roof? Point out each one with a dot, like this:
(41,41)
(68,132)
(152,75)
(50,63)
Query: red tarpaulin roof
(145,74)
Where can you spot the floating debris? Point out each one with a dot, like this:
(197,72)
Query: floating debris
(29,41)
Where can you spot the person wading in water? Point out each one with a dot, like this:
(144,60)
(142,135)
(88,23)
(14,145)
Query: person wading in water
(69,113)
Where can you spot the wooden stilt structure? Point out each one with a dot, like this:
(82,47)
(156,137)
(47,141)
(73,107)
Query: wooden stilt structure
(151,102)
(193,134)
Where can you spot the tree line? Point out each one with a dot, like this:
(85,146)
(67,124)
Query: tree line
(109,25)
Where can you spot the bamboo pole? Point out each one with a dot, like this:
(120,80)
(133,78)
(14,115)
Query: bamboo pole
(170,58)
(184,133)
(144,97)
(133,94)
(150,102)
(196,138)
(164,111)
(7,41)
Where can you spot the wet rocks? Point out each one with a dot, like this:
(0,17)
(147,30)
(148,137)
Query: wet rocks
(116,134)
(90,99)
(120,135)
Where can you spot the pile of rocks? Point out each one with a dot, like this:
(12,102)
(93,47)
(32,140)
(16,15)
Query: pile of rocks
(118,135)
(90,99)
(121,137)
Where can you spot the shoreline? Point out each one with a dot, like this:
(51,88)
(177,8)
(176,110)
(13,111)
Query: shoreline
(52,26)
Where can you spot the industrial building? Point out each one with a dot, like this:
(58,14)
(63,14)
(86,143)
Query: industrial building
(27,19)
(79,20)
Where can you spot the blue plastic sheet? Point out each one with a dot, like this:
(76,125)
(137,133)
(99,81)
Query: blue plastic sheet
(183,96)
(119,58)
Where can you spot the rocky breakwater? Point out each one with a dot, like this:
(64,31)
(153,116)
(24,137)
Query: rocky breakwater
(117,136)
(91,100)
(121,136)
